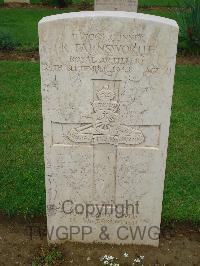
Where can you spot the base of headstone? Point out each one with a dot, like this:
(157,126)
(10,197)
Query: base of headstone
(116,5)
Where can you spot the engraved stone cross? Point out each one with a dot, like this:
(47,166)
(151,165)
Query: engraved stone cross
(105,132)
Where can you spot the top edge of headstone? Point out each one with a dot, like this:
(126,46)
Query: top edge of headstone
(117,14)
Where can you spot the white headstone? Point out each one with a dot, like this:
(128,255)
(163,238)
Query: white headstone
(107,85)
(116,5)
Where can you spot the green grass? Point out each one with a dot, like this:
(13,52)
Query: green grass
(22,24)
(166,3)
(50,256)
(182,190)
(22,168)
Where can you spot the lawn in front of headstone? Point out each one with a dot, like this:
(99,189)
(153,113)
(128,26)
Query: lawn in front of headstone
(22,168)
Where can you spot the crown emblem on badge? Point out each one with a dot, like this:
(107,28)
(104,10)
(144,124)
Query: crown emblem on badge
(105,100)
(105,94)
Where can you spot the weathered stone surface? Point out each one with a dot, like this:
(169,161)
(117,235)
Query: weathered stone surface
(116,5)
(107,85)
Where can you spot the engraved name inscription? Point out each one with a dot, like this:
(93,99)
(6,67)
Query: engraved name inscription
(100,52)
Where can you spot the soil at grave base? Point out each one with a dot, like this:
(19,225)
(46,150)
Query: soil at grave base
(179,245)
(43,6)
(34,57)
(19,56)
(90,7)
